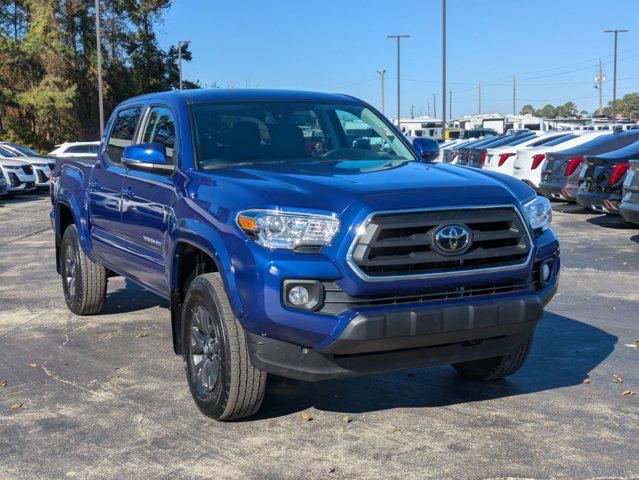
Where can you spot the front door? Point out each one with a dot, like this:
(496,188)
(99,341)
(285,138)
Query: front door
(147,199)
(105,191)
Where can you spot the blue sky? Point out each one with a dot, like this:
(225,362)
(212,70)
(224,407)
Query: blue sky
(551,46)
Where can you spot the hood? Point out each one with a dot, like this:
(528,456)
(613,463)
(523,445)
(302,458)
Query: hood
(37,160)
(333,186)
(11,162)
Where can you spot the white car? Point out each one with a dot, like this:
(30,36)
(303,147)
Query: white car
(18,174)
(528,163)
(501,159)
(76,149)
(42,166)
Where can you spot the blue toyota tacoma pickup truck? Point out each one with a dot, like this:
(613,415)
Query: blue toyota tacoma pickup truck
(300,234)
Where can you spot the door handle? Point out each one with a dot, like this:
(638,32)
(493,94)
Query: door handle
(128,193)
(94,185)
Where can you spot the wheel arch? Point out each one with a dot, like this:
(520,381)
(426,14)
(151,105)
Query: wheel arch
(191,255)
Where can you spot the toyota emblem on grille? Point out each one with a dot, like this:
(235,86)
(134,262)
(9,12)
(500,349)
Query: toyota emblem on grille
(452,239)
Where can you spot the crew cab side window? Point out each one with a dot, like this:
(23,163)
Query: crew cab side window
(160,128)
(122,133)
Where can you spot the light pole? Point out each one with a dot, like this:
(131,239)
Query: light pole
(382,73)
(444,69)
(99,54)
(434,105)
(181,43)
(614,81)
(398,37)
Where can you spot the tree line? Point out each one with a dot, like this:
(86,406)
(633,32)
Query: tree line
(48,65)
(627,107)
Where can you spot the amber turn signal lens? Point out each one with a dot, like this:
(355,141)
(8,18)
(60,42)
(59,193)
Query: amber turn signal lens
(246,223)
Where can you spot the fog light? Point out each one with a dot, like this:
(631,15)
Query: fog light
(545,273)
(303,294)
(298,296)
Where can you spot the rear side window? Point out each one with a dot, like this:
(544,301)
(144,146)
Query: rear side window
(160,128)
(122,133)
(80,149)
(562,139)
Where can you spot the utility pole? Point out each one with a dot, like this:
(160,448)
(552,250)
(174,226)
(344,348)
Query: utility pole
(443,69)
(614,80)
(382,73)
(434,105)
(412,111)
(450,104)
(514,94)
(479,99)
(99,54)
(599,78)
(181,43)
(428,108)
(398,37)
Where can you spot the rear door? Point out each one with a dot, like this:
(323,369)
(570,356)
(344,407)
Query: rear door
(147,198)
(105,187)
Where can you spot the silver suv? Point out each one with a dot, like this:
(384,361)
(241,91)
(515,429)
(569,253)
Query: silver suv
(19,174)
(42,165)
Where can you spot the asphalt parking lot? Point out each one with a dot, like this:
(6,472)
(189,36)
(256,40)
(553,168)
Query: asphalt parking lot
(105,397)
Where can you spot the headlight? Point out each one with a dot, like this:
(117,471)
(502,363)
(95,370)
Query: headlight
(539,213)
(288,230)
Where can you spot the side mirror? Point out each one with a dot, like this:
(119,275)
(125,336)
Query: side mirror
(428,148)
(148,157)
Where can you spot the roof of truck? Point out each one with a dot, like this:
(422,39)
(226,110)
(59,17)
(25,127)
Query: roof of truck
(247,95)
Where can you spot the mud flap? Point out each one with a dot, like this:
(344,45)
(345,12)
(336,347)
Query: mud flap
(176,320)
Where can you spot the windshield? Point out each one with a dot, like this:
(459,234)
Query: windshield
(252,132)
(7,153)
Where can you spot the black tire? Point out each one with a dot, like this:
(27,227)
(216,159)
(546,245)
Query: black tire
(84,282)
(496,367)
(223,382)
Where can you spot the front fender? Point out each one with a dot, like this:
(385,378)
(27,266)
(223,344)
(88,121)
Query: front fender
(209,241)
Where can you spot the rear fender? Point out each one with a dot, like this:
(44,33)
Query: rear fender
(71,193)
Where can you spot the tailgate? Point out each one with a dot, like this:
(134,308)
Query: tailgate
(595,173)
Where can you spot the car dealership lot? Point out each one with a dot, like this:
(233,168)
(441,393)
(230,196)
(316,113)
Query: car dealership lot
(105,397)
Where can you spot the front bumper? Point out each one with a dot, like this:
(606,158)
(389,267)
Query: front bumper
(408,338)
(18,181)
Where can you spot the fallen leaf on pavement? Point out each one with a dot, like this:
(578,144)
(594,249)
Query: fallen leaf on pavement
(16,405)
(306,417)
(347,419)
(586,380)
(617,378)
(33,365)
(330,469)
(627,392)
(142,335)
(3,383)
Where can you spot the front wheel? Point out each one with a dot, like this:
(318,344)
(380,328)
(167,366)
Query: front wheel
(496,367)
(84,282)
(222,380)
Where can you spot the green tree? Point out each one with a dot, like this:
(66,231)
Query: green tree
(548,112)
(527,110)
(48,67)
(627,106)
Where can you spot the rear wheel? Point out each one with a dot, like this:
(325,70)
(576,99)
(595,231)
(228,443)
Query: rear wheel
(496,367)
(222,380)
(84,282)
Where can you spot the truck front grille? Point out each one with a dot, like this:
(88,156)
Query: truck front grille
(400,244)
